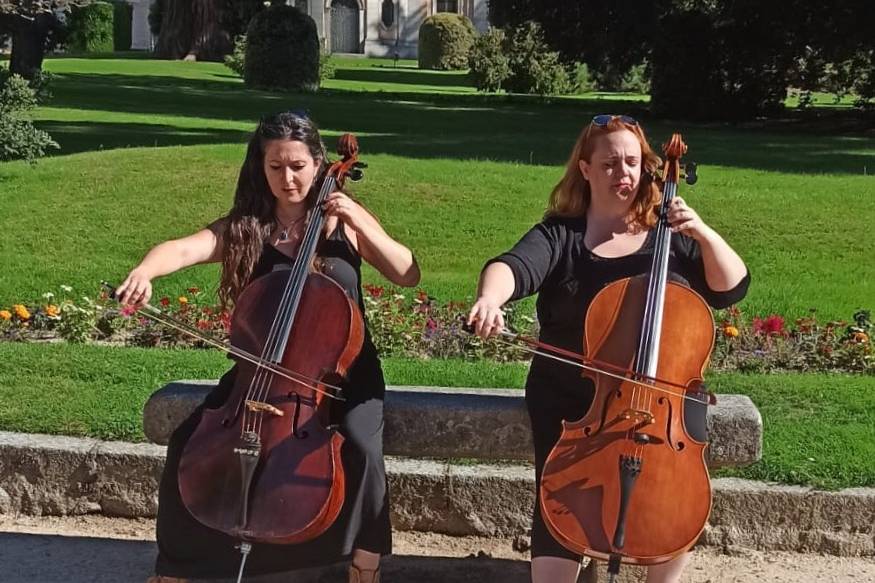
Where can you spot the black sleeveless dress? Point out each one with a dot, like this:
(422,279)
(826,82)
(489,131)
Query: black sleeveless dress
(187,548)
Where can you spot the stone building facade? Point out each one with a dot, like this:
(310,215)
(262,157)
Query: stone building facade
(376,28)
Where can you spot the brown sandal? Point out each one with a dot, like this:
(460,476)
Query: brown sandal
(357,575)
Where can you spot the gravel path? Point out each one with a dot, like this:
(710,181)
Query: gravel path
(102,550)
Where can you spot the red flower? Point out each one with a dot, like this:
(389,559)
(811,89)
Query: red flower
(421,295)
(771,326)
(194,290)
(203,324)
(225,320)
(165,301)
(375,291)
(431,324)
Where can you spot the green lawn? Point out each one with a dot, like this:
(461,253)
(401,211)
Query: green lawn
(151,150)
(471,172)
(819,429)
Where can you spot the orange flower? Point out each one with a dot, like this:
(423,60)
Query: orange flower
(21,312)
(5,315)
(52,311)
(730,331)
(860,337)
(182,300)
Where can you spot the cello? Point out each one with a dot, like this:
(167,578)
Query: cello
(627,483)
(265,466)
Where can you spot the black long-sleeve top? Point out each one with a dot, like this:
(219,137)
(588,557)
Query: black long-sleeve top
(553,261)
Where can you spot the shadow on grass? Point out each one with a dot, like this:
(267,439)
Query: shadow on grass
(523,129)
(131,55)
(75,137)
(403,76)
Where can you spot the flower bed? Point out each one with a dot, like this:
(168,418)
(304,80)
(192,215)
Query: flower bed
(419,326)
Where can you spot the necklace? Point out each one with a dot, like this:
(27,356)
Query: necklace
(284,234)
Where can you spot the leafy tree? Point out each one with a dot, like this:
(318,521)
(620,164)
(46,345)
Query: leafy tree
(710,58)
(31,24)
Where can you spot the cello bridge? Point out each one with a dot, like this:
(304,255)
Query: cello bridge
(262,407)
(638,415)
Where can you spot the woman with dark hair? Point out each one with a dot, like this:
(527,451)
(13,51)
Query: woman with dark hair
(599,228)
(262,232)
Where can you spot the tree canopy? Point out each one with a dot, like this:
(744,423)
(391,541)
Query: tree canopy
(741,54)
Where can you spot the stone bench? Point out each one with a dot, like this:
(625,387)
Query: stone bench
(54,475)
(485,424)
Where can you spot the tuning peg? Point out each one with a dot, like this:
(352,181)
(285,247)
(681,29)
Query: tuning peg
(355,174)
(359,164)
(690,169)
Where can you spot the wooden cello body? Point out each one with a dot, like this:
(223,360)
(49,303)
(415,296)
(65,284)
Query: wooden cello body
(265,467)
(627,482)
(297,487)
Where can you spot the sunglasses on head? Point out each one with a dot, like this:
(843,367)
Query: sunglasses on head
(604,119)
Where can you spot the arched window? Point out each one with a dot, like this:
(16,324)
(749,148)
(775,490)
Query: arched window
(387,13)
(447,5)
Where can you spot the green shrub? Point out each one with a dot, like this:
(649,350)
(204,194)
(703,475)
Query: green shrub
(489,65)
(18,138)
(534,67)
(327,66)
(445,41)
(237,59)
(282,50)
(90,28)
(123,14)
(583,80)
(636,79)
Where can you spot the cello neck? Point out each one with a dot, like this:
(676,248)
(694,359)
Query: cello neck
(647,356)
(294,288)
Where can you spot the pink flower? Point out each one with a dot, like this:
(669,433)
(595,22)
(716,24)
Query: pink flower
(128,311)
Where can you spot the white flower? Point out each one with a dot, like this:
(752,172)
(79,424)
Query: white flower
(398,297)
(66,288)
(48,295)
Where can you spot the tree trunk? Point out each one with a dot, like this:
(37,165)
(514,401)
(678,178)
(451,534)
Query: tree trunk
(210,42)
(28,44)
(192,29)
(175,38)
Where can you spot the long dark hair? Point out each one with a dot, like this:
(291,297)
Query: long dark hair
(253,216)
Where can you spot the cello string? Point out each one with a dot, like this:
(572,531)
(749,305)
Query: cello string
(656,291)
(285,315)
(287,307)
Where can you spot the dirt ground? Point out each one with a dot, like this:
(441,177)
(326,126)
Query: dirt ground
(96,549)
